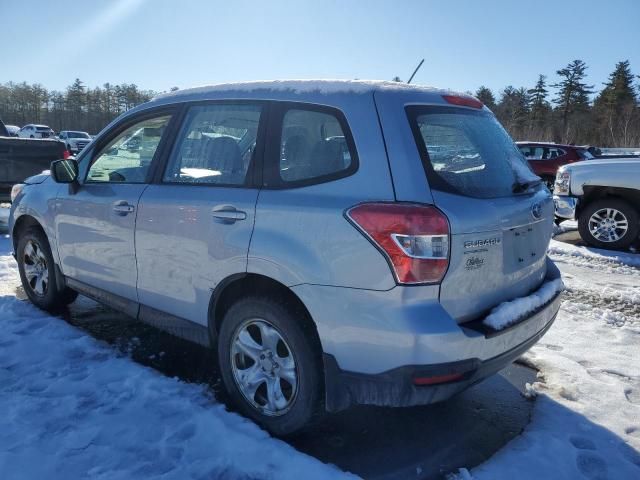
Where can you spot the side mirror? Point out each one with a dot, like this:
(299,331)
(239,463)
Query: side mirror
(64,171)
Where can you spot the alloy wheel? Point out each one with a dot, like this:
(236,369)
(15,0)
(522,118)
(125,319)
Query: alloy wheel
(264,367)
(608,225)
(36,269)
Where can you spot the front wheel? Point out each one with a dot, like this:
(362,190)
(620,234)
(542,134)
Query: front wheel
(37,274)
(269,365)
(609,223)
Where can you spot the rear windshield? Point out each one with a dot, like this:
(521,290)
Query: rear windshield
(468,152)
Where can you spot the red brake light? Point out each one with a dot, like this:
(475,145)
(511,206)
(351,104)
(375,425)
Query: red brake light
(463,101)
(414,238)
(66,154)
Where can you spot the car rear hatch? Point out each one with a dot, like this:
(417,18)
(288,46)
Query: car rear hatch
(500,215)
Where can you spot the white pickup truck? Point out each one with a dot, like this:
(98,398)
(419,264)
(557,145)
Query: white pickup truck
(75,141)
(604,196)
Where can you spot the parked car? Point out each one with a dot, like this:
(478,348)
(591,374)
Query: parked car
(12,130)
(546,158)
(21,158)
(36,131)
(74,140)
(604,196)
(337,243)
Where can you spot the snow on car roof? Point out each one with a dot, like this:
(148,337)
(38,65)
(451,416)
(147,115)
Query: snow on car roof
(326,87)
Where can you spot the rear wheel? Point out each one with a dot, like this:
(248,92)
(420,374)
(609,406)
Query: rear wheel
(269,366)
(609,223)
(37,274)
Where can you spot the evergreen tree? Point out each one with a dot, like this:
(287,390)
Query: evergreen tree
(513,110)
(572,98)
(540,115)
(616,108)
(485,95)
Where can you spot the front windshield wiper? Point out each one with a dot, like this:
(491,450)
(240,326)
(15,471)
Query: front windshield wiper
(519,187)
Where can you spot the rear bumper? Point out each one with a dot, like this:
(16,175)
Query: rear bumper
(565,206)
(395,388)
(376,343)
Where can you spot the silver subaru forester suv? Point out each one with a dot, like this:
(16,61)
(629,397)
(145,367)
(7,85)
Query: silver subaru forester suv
(337,242)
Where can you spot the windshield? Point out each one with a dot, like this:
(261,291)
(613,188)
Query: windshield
(43,129)
(77,135)
(584,154)
(468,152)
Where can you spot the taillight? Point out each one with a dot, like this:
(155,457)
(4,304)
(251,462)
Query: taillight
(463,101)
(66,154)
(414,238)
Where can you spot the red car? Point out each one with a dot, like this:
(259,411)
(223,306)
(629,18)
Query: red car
(546,158)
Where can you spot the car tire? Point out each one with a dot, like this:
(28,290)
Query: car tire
(37,272)
(31,136)
(601,224)
(263,349)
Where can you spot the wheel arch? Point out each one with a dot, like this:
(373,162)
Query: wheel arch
(21,224)
(241,285)
(596,192)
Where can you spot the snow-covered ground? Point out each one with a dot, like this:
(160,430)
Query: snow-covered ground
(73,407)
(586,421)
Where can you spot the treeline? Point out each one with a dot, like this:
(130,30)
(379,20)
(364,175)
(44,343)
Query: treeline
(575,112)
(76,108)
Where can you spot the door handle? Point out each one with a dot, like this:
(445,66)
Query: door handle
(227,214)
(123,208)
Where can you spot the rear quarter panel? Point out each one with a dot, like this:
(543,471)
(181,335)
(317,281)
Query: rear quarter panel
(301,234)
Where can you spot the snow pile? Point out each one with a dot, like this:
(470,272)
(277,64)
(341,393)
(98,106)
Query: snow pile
(566,226)
(73,407)
(593,254)
(586,421)
(508,313)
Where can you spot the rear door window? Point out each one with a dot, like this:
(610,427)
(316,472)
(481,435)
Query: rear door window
(314,146)
(215,145)
(468,152)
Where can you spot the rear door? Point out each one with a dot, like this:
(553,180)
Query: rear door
(95,223)
(500,216)
(195,222)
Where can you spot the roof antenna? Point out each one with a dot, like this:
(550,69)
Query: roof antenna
(415,71)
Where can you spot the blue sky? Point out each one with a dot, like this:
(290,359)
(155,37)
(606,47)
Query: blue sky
(161,43)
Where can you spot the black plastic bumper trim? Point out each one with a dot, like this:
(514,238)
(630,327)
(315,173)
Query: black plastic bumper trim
(395,387)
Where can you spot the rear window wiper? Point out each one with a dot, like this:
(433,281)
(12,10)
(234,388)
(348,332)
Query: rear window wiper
(519,187)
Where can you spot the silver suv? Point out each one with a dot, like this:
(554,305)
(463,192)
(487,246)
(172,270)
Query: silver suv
(337,243)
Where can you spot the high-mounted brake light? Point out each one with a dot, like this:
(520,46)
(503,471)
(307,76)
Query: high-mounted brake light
(463,101)
(414,238)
